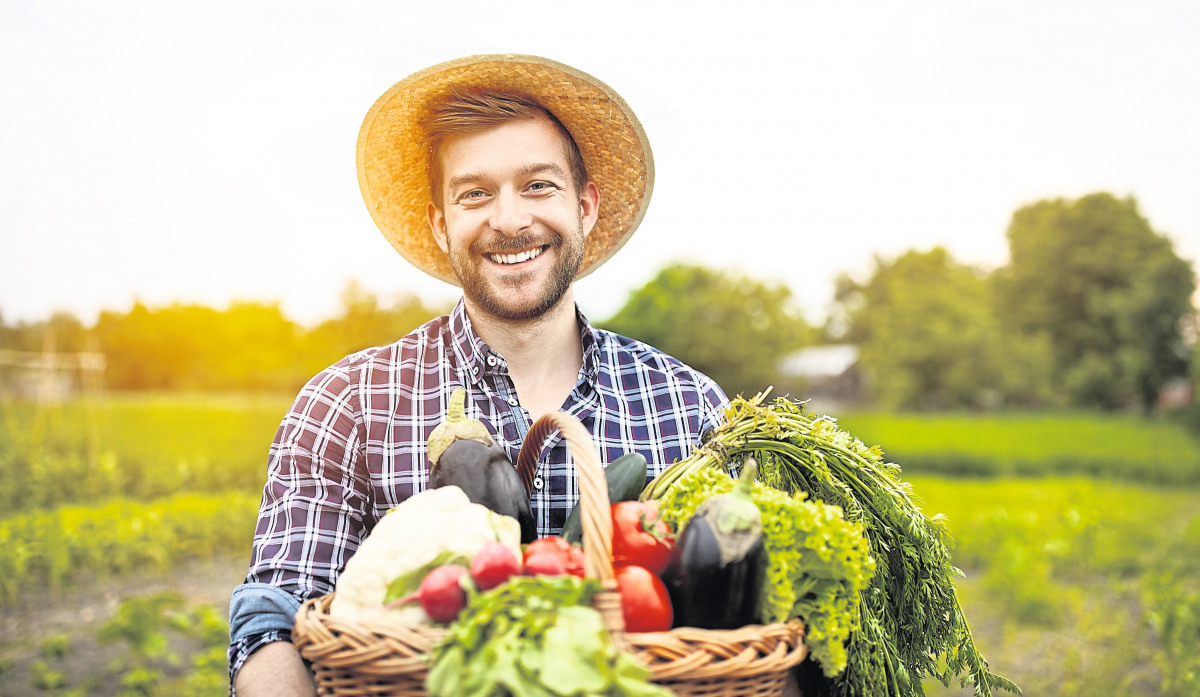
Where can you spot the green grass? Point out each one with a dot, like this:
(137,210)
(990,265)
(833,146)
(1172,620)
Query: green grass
(1117,446)
(1076,586)
(138,446)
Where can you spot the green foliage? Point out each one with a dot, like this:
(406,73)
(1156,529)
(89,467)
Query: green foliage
(143,446)
(56,646)
(929,337)
(139,623)
(1087,584)
(45,678)
(1105,291)
(247,347)
(818,563)
(732,328)
(53,548)
(912,623)
(1175,618)
(145,625)
(534,637)
(1117,446)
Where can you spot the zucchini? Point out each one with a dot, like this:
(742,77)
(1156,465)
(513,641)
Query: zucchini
(626,477)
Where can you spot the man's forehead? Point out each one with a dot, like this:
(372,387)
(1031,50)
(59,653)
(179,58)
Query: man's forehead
(520,146)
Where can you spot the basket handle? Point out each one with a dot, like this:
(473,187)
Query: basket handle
(594,508)
(593,489)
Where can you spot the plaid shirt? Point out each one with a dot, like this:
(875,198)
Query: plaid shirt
(353,445)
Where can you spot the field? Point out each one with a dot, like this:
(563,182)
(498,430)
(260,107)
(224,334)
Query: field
(127,521)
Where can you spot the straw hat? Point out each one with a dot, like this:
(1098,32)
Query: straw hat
(392,155)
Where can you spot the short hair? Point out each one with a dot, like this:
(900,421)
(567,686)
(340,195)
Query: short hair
(463,110)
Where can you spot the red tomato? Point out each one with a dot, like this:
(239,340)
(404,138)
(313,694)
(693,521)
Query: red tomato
(544,564)
(571,556)
(639,537)
(644,600)
(494,564)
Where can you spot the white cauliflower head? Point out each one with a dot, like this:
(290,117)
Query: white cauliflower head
(409,537)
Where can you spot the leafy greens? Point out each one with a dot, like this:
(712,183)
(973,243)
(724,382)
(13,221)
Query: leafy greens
(912,625)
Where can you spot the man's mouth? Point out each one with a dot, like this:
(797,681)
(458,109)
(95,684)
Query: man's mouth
(516,258)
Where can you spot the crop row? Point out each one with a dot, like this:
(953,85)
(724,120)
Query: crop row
(1077,586)
(54,548)
(142,447)
(1110,446)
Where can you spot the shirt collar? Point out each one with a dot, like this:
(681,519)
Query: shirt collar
(478,358)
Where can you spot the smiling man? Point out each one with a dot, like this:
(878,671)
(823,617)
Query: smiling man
(510,176)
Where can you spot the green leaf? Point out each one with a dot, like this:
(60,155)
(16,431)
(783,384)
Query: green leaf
(409,582)
(572,646)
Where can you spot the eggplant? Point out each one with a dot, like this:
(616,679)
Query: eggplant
(715,574)
(463,454)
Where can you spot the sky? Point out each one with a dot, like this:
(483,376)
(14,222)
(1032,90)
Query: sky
(204,152)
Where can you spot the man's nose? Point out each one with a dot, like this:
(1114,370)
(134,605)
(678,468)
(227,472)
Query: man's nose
(510,213)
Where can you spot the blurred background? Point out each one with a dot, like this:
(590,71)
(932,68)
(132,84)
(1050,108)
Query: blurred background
(967,232)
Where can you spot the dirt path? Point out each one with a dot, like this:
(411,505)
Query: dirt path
(72,618)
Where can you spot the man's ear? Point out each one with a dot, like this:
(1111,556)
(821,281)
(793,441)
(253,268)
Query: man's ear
(437,225)
(589,207)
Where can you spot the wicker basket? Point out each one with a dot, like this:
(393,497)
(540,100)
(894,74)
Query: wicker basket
(353,659)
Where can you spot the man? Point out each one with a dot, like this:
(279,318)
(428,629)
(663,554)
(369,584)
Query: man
(510,176)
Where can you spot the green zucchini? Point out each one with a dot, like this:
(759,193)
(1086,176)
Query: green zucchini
(626,477)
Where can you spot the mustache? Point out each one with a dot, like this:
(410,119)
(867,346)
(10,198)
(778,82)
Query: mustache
(503,244)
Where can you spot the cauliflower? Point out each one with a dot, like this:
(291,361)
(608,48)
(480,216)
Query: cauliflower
(409,537)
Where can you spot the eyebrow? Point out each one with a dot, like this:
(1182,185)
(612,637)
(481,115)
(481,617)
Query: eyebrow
(543,167)
(531,168)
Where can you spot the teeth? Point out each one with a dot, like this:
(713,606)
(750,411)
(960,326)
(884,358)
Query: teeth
(516,258)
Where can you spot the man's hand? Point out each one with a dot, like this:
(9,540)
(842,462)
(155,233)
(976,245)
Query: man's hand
(275,669)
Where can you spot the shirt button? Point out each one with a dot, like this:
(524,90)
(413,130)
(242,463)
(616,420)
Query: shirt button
(537,483)
(512,401)
(475,369)
(491,360)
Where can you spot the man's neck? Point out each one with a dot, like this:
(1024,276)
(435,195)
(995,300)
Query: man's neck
(543,354)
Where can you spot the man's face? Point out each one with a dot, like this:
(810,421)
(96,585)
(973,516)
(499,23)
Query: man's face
(512,222)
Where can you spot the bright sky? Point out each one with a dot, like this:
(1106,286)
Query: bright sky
(205,151)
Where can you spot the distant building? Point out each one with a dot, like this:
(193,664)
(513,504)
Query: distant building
(828,376)
(1175,394)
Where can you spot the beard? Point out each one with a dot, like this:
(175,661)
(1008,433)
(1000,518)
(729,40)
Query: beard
(495,300)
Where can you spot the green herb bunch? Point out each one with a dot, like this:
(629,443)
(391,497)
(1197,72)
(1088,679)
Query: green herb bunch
(534,637)
(818,563)
(911,623)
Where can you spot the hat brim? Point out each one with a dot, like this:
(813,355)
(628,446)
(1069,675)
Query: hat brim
(392,152)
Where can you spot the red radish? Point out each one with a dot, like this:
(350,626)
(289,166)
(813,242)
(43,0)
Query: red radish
(441,594)
(494,564)
(545,564)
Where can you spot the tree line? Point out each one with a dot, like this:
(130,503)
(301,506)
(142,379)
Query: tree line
(250,346)
(1093,309)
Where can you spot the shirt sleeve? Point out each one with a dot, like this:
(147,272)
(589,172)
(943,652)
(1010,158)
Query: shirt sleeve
(713,405)
(312,515)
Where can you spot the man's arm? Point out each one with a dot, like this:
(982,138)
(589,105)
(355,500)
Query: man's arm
(310,521)
(275,669)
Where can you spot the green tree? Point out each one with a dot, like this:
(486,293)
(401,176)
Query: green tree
(732,328)
(250,346)
(1106,292)
(363,323)
(929,338)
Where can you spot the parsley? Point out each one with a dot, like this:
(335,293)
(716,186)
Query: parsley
(817,563)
